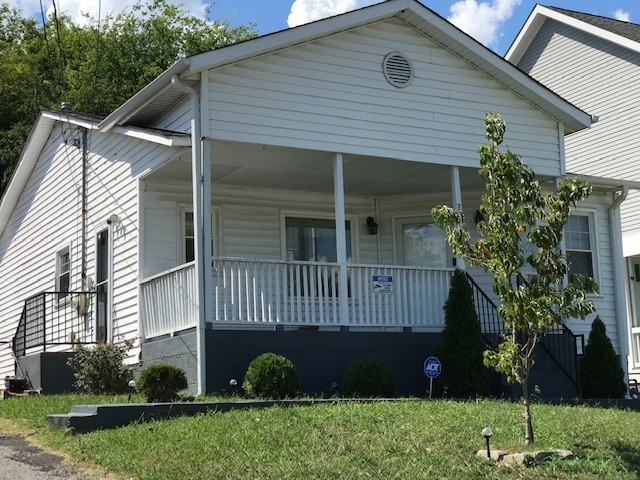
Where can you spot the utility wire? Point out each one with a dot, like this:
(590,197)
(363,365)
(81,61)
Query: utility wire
(62,62)
(44,29)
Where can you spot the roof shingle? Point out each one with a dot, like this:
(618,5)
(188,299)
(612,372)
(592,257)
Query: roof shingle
(624,29)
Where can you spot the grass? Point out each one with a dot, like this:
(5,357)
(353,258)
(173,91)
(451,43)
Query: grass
(403,440)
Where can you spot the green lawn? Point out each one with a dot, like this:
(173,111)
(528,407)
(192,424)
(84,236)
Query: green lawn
(408,440)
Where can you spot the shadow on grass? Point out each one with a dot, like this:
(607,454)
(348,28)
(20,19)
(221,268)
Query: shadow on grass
(630,455)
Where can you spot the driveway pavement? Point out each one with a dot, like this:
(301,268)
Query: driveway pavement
(21,461)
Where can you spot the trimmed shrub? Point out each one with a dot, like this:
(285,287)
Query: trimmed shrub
(161,383)
(601,375)
(461,351)
(369,378)
(271,376)
(101,369)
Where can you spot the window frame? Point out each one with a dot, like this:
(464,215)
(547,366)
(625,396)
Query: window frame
(66,249)
(591,215)
(351,218)
(183,209)
(398,248)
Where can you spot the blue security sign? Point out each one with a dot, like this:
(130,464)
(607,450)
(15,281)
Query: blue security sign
(432,367)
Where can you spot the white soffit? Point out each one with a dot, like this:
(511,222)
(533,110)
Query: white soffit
(537,18)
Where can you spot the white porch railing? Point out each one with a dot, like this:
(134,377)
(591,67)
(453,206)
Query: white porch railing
(635,347)
(306,293)
(272,292)
(167,301)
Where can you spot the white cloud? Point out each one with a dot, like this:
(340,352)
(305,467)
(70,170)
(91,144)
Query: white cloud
(76,8)
(305,11)
(620,14)
(482,20)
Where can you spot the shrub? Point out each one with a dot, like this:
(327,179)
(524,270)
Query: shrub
(161,383)
(462,347)
(601,375)
(271,376)
(369,378)
(101,369)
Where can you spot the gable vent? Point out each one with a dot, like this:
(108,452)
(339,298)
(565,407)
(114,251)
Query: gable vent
(397,70)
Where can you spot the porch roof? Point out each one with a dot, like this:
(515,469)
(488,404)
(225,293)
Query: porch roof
(156,96)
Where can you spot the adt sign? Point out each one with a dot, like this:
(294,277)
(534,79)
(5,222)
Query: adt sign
(432,367)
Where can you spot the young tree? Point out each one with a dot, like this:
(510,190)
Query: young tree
(522,228)
(462,346)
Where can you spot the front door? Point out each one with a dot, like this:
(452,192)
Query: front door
(102,285)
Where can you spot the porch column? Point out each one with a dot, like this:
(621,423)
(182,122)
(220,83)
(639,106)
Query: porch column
(197,186)
(341,237)
(456,191)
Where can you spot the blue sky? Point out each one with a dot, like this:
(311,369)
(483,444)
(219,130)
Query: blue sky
(493,22)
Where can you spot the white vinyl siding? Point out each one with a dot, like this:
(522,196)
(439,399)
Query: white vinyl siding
(331,95)
(28,261)
(602,79)
(177,118)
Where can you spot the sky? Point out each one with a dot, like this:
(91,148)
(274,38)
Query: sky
(495,23)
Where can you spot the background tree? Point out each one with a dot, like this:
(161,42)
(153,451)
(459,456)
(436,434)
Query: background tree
(601,375)
(522,228)
(96,66)
(461,350)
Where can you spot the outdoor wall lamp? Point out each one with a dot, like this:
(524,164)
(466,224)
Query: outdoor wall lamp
(486,433)
(372,226)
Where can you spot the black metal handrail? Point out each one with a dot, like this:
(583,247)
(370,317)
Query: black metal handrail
(54,318)
(491,326)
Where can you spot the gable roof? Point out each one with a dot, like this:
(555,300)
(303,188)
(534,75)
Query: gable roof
(625,34)
(159,94)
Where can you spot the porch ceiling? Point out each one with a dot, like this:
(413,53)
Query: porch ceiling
(267,166)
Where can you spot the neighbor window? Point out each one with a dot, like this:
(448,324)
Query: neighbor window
(63,272)
(579,245)
(314,239)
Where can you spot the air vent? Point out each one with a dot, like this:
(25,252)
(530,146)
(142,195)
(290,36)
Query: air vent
(397,70)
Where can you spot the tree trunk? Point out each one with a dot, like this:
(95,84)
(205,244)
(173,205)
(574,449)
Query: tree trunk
(528,434)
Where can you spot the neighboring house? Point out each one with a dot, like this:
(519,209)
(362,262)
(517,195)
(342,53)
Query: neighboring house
(275,195)
(594,62)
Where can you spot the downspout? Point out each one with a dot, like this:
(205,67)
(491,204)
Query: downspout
(83,248)
(196,159)
(619,277)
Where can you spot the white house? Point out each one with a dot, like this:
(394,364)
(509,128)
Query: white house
(594,62)
(275,195)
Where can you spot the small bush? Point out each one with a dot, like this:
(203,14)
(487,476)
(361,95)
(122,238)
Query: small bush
(369,378)
(461,350)
(601,375)
(101,369)
(271,376)
(161,383)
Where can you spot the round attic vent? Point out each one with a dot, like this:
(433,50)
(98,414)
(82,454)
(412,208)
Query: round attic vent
(397,70)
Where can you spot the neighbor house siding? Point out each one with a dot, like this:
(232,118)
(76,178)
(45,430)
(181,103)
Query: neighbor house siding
(331,95)
(604,80)
(48,217)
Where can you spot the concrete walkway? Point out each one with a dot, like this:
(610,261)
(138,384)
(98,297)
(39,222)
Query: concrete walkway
(20,460)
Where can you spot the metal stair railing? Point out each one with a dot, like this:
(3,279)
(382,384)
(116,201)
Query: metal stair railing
(52,319)
(559,342)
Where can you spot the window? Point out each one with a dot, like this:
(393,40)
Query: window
(421,243)
(63,273)
(314,239)
(579,245)
(188,237)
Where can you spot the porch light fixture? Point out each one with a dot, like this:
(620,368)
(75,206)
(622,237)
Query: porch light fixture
(372,226)
(486,433)
(478,217)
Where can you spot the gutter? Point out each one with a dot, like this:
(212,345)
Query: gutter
(198,218)
(619,279)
